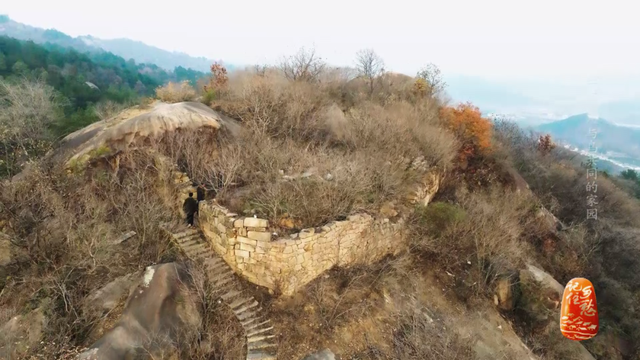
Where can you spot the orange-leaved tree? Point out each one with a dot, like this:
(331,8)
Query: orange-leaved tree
(545,144)
(473,131)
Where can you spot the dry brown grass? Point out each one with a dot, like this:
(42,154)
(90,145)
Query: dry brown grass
(605,251)
(220,335)
(173,92)
(480,237)
(295,127)
(62,230)
(359,312)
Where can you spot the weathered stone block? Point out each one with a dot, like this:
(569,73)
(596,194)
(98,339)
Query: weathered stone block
(257,235)
(255,222)
(247,247)
(242,253)
(221,228)
(238,223)
(287,250)
(245,240)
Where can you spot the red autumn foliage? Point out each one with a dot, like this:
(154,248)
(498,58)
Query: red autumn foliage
(473,131)
(219,78)
(545,144)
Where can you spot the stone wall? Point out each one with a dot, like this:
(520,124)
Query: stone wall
(287,263)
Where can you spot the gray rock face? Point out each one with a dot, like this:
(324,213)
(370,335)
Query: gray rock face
(325,354)
(159,311)
(107,297)
(20,333)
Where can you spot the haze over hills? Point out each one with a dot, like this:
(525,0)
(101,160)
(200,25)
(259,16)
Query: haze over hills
(126,48)
(537,102)
(618,143)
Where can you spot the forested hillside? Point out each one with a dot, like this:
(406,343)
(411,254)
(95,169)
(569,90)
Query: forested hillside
(126,48)
(84,80)
(48,91)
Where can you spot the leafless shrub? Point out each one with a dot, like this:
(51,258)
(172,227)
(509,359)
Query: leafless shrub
(108,109)
(484,230)
(28,109)
(305,65)
(370,67)
(433,77)
(173,93)
(63,227)
(220,335)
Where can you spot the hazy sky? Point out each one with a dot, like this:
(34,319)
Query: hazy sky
(541,39)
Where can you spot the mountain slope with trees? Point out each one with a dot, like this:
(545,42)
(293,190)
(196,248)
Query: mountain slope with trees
(80,89)
(617,142)
(126,48)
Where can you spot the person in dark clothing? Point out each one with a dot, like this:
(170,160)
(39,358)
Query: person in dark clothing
(201,191)
(190,207)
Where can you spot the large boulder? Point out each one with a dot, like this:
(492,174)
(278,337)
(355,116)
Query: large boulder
(159,313)
(119,132)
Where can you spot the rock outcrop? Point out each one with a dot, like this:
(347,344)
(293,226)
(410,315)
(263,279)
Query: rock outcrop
(21,333)
(119,132)
(157,314)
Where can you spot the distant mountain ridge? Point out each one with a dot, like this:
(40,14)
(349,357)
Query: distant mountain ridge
(616,142)
(126,48)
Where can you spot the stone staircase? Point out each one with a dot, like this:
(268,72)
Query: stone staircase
(259,333)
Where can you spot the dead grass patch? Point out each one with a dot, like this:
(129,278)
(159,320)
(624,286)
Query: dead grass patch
(176,92)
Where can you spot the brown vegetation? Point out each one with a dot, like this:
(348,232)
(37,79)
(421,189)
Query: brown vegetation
(603,250)
(346,158)
(62,229)
(173,93)
(319,144)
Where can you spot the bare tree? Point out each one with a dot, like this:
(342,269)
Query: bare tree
(305,65)
(28,108)
(370,66)
(432,75)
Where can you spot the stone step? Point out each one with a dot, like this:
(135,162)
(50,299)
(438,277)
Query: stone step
(198,254)
(248,314)
(259,331)
(190,242)
(218,268)
(188,239)
(213,261)
(260,345)
(198,245)
(250,322)
(259,355)
(239,302)
(215,276)
(249,326)
(185,233)
(227,288)
(230,295)
(246,307)
(224,281)
(260,337)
